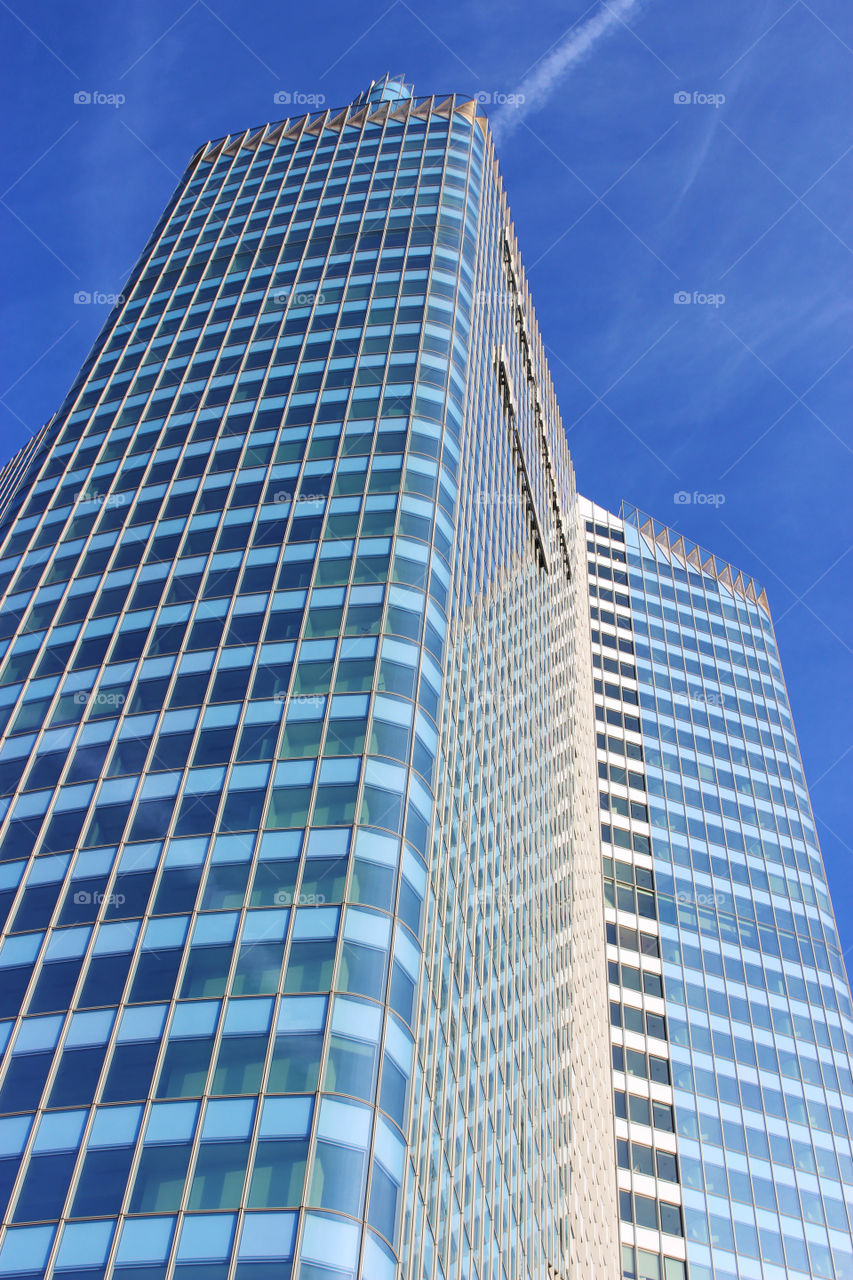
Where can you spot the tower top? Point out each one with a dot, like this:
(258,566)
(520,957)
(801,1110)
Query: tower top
(388,89)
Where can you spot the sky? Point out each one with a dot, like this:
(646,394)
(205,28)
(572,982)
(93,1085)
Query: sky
(680,181)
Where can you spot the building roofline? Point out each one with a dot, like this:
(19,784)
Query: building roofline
(693,556)
(354,115)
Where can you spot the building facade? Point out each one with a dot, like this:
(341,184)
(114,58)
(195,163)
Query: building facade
(291,821)
(310,904)
(730,1006)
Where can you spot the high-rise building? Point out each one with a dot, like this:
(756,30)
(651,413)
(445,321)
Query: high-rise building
(311,899)
(730,1007)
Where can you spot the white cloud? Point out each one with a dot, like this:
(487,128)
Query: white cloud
(536,88)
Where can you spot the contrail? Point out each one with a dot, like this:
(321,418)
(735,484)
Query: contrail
(536,88)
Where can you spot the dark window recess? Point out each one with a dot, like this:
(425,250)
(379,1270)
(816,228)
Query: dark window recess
(24,1082)
(55,986)
(102,1184)
(156,975)
(36,908)
(45,1187)
(105,980)
(76,1080)
(131,1072)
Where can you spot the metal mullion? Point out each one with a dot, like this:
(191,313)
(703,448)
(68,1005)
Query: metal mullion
(49,811)
(218,241)
(18,896)
(44,727)
(66,880)
(68,1013)
(75,1180)
(177,1002)
(147,772)
(183,1209)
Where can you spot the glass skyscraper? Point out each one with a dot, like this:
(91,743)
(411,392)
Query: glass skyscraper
(729,1004)
(406,866)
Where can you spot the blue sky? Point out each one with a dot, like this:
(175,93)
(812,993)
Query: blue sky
(623,197)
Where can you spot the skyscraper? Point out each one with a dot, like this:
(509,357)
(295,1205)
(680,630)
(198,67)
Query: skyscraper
(307,941)
(730,1006)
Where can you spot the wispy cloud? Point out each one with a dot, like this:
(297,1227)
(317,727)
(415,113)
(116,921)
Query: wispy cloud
(537,87)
